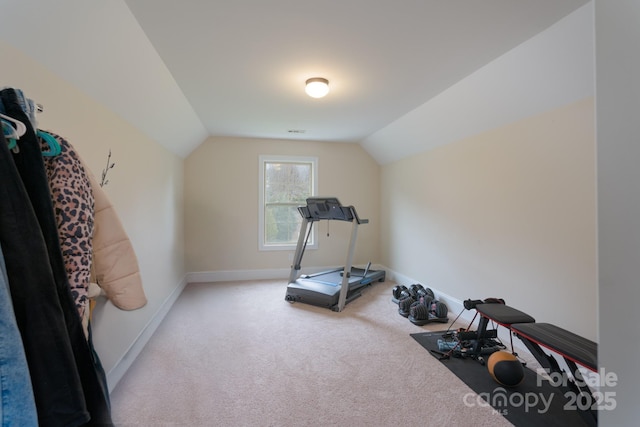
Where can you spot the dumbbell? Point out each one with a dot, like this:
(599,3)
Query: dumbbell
(438,309)
(399,291)
(425,292)
(419,310)
(405,304)
(415,290)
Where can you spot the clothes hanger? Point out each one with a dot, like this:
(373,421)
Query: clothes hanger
(52,142)
(30,109)
(8,130)
(33,108)
(10,134)
(21,128)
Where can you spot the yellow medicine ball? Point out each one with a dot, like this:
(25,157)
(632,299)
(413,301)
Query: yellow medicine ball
(505,368)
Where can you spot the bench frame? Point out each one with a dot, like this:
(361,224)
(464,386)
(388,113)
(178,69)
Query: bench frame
(508,317)
(574,383)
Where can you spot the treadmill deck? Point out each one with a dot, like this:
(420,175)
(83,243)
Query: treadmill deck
(323,289)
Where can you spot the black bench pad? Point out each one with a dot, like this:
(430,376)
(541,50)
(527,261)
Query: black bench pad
(503,314)
(574,347)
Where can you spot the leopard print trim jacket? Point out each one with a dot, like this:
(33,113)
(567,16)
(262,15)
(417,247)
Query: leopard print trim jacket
(95,246)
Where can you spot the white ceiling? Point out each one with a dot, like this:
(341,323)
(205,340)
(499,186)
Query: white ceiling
(181,71)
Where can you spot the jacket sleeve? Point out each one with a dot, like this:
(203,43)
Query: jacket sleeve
(115,264)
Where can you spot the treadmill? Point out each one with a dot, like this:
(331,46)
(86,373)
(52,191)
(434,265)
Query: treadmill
(331,289)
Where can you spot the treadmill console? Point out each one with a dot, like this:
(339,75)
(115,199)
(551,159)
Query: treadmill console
(325,208)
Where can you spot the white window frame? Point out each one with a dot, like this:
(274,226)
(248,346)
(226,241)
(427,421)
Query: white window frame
(263,159)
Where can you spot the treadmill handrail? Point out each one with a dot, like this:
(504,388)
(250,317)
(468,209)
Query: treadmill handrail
(355,215)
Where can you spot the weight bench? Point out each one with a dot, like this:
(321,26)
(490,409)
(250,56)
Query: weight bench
(575,350)
(499,313)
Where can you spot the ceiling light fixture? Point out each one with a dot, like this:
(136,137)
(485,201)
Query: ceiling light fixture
(317,87)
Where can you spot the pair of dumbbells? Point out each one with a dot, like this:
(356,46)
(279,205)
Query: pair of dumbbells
(428,310)
(415,291)
(419,304)
(405,297)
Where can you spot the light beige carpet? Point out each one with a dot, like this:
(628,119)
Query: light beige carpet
(238,354)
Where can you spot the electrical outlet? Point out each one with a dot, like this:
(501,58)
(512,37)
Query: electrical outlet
(290,257)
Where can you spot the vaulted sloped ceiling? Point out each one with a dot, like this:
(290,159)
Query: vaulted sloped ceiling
(181,71)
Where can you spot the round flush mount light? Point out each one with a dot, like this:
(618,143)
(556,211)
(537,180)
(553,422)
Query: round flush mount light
(317,87)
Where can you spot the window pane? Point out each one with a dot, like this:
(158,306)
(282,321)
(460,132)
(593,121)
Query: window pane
(287,186)
(282,224)
(287,182)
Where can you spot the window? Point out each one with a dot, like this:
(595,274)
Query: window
(285,184)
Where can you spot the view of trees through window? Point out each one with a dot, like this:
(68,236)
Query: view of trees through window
(286,186)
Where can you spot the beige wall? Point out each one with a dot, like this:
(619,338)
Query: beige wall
(508,213)
(145,186)
(221,204)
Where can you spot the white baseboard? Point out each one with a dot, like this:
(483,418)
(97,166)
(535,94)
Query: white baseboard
(120,368)
(236,275)
(266,274)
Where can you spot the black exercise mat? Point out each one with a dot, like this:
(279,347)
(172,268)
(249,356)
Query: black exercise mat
(532,403)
